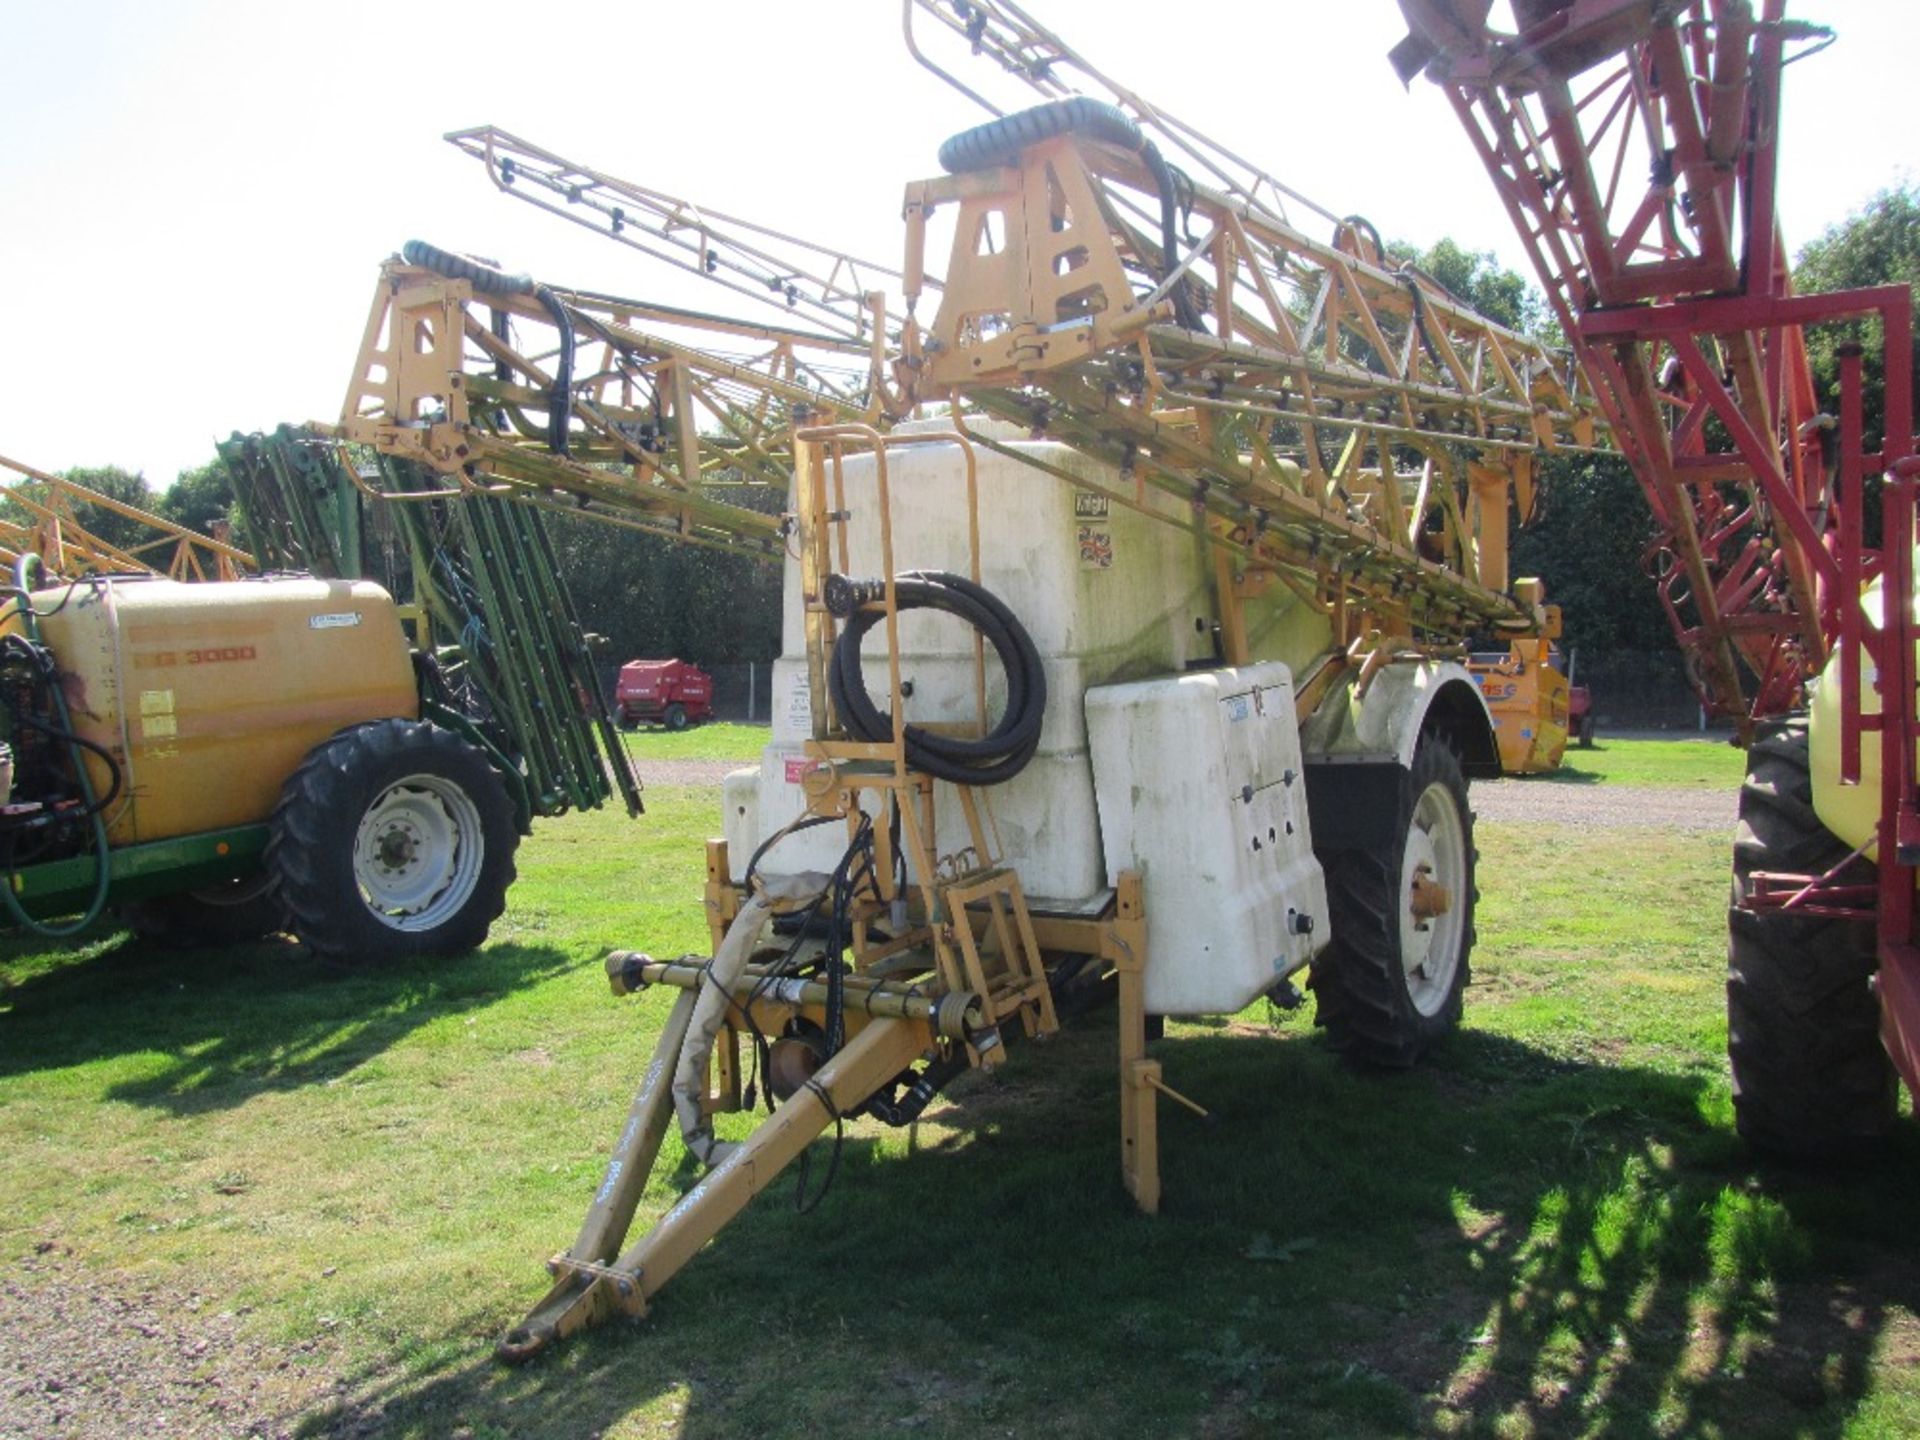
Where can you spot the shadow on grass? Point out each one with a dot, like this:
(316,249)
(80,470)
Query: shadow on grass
(1503,1240)
(1570,772)
(237,1021)
(1562,776)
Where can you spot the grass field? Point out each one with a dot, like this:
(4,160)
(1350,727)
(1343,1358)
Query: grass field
(1707,762)
(1550,1230)
(719,740)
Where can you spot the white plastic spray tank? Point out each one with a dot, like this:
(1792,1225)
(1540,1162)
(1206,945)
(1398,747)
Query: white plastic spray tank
(1184,755)
(1106,594)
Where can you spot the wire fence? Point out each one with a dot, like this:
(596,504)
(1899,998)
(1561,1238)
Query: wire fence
(1638,690)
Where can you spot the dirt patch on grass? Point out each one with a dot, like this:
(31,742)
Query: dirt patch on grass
(686,772)
(79,1357)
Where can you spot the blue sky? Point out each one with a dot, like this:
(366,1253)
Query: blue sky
(196,193)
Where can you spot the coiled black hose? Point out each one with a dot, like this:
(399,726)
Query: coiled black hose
(994,757)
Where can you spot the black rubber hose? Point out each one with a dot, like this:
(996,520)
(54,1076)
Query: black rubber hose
(1360,222)
(1410,277)
(43,671)
(484,278)
(560,393)
(937,1075)
(489,281)
(989,760)
(114,779)
(1183,311)
(999,142)
(497,324)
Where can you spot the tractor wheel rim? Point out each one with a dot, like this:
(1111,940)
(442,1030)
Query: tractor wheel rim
(1433,873)
(417,853)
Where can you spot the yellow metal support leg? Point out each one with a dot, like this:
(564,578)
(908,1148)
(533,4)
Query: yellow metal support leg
(580,1293)
(590,1285)
(874,1056)
(1140,1083)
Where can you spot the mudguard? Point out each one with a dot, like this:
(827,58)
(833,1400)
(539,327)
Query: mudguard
(1358,747)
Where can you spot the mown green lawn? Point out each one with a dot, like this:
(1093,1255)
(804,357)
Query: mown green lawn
(717,740)
(1549,1230)
(1705,762)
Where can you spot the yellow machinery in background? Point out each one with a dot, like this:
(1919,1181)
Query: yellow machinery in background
(1530,698)
(221,758)
(42,514)
(229,759)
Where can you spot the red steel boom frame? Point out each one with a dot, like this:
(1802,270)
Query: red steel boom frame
(1675,292)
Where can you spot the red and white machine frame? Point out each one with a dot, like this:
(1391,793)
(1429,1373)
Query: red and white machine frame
(1635,149)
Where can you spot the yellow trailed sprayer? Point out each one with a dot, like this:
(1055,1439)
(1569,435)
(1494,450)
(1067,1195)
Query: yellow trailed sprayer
(1129,585)
(218,755)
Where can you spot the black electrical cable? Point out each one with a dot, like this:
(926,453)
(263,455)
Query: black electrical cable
(43,672)
(801,1202)
(840,929)
(843,885)
(22,599)
(856,866)
(989,760)
(767,844)
(99,805)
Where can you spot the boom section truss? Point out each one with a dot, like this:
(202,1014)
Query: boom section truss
(1006,36)
(637,413)
(49,518)
(1349,427)
(1634,148)
(819,288)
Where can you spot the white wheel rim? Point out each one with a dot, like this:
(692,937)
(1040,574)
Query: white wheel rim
(417,853)
(1433,872)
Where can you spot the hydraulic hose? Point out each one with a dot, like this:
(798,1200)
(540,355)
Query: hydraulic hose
(999,142)
(490,281)
(1167,184)
(929,1082)
(988,760)
(691,1067)
(25,569)
(560,393)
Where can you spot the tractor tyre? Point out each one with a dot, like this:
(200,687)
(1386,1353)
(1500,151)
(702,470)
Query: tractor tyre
(1388,987)
(235,913)
(1586,731)
(676,717)
(1811,1080)
(393,839)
